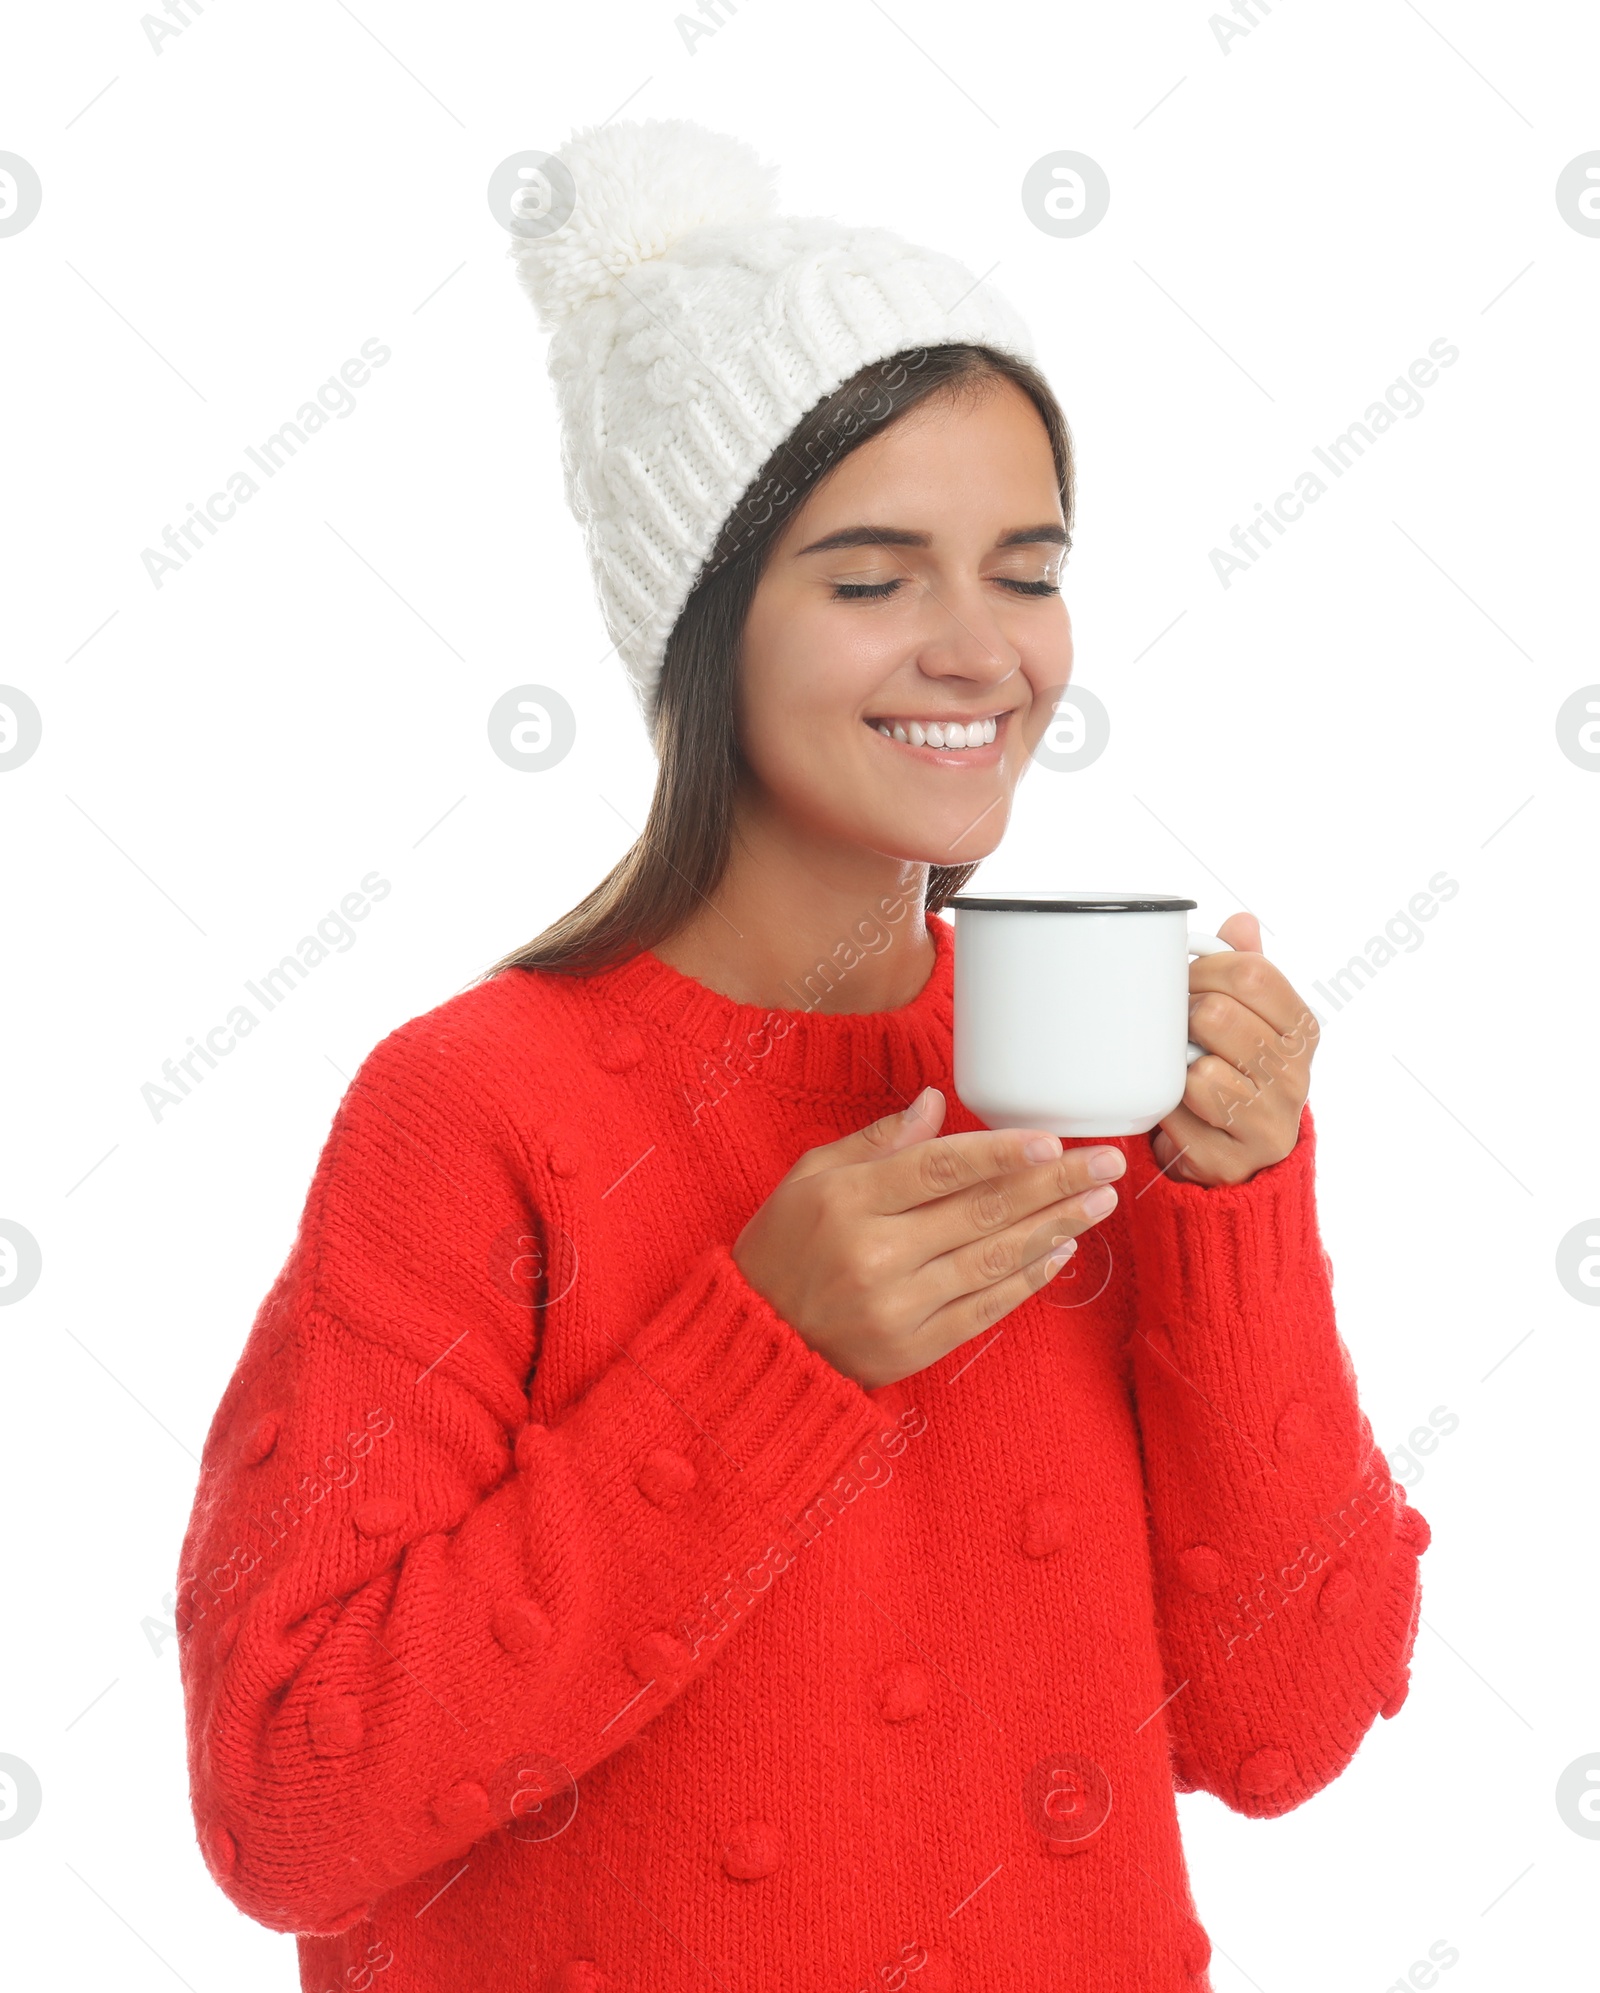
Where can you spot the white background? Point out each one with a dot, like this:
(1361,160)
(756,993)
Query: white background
(1292,222)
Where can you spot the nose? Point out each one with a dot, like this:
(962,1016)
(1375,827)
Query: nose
(964,640)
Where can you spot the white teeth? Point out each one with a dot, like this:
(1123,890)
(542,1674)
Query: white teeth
(940,733)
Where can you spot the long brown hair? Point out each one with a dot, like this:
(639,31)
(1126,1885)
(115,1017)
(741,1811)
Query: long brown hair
(680,856)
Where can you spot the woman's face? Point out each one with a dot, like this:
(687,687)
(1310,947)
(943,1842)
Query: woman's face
(916,588)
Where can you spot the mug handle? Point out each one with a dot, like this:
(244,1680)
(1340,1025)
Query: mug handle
(1204,944)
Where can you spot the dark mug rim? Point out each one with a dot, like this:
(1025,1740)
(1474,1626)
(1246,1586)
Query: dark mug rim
(1071,903)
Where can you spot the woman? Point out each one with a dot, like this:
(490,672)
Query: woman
(673,1524)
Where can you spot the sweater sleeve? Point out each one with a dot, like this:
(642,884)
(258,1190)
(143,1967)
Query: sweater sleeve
(408,1612)
(1284,1553)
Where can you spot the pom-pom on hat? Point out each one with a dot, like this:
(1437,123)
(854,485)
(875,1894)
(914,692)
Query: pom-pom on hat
(692,326)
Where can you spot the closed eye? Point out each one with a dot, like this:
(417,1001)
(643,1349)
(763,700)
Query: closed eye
(861,591)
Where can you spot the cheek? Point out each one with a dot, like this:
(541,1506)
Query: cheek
(1045,688)
(779,725)
(1034,722)
(804,674)
(1047,669)
(785,760)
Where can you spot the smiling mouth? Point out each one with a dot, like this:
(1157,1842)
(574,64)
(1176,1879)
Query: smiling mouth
(945,742)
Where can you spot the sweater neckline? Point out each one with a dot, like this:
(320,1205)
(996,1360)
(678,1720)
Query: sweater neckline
(799,1048)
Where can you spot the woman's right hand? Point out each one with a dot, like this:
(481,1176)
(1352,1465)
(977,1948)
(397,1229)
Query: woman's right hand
(890,1247)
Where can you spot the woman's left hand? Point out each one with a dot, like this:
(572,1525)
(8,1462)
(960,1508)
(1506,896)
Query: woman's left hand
(1241,1109)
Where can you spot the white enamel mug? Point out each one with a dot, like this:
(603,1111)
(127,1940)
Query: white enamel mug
(1072,1009)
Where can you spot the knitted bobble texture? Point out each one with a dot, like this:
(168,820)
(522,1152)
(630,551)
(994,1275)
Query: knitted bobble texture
(639,189)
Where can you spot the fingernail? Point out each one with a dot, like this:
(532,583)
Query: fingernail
(1096,1203)
(1106,1163)
(914,1111)
(1042,1148)
(1063,1251)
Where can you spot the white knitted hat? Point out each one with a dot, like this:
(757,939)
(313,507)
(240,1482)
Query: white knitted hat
(692,327)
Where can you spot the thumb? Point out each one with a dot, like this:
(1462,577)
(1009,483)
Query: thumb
(1241,930)
(891,1132)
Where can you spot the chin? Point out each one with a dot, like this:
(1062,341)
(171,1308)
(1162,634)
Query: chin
(944,845)
(896,828)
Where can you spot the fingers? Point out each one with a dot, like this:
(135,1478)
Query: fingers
(960,1320)
(1217,1092)
(975,1268)
(1259,1059)
(1223,1025)
(1197,1152)
(979,1160)
(883,1137)
(1171,1153)
(1227,1146)
(1254,982)
(988,1210)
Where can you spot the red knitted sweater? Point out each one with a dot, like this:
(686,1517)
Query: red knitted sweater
(554,1618)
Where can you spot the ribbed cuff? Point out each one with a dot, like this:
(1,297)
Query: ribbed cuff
(1203,1249)
(779,1417)
(1247,1395)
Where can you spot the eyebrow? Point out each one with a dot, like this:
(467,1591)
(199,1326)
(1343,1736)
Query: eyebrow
(1049,534)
